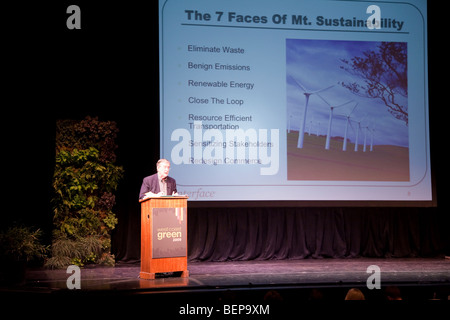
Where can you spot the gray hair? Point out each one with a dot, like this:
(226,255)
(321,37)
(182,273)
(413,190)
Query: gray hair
(161,161)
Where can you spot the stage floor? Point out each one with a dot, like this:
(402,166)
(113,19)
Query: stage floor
(274,289)
(307,273)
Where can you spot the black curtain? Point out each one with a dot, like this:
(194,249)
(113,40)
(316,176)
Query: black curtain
(221,234)
(236,234)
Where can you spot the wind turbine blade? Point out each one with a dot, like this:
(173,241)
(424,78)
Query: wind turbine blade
(323,99)
(340,116)
(299,84)
(315,92)
(352,109)
(341,105)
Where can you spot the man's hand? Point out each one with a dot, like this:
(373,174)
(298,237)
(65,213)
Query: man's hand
(151,194)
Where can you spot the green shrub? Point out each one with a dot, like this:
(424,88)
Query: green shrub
(20,243)
(84,182)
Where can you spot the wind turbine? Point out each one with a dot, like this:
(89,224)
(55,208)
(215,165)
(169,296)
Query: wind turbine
(310,125)
(371,138)
(330,120)
(307,94)
(289,123)
(365,137)
(357,132)
(372,133)
(347,123)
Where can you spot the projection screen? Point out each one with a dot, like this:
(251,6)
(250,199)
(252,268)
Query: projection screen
(290,100)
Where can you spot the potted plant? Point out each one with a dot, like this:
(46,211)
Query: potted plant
(18,246)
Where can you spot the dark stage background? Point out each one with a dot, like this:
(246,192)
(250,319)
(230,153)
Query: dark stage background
(109,69)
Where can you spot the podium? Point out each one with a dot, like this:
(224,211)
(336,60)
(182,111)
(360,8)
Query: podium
(163,236)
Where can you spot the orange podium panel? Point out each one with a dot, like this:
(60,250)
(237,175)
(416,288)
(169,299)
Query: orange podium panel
(163,236)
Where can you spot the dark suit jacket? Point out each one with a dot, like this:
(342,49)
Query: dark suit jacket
(151,183)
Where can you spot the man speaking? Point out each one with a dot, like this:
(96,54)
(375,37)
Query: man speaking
(159,184)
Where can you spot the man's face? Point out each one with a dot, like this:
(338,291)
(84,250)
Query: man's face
(163,169)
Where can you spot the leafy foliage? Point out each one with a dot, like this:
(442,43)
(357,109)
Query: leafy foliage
(384,74)
(79,251)
(84,180)
(20,243)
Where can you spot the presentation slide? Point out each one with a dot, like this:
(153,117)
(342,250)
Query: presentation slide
(295,100)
